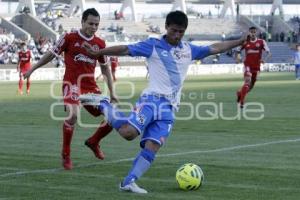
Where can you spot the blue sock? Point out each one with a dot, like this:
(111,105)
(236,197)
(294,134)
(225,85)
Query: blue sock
(140,165)
(114,117)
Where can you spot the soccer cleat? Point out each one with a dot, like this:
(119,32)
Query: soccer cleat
(132,187)
(95,149)
(241,105)
(93,99)
(67,162)
(20,92)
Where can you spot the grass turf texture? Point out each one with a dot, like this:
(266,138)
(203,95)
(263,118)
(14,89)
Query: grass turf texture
(241,159)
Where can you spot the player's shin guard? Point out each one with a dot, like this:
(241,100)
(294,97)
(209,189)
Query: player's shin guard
(28,86)
(67,138)
(244,90)
(20,85)
(141,164)
(114,117)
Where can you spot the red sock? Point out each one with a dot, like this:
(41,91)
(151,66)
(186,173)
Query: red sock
(100,133)
(28,85)
(20,84)
(67,138)
(244,90)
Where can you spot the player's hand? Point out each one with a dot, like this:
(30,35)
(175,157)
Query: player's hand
(27,74)
(90,50)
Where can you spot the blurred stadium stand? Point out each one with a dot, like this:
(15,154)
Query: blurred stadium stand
(52,21)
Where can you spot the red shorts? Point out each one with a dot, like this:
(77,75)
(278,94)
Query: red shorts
(248,72)
(71,96)
(24,70)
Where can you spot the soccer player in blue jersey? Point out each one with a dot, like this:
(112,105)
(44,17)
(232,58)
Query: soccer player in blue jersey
(168,59)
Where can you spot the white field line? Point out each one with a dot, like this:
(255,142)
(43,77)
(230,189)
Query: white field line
(19,173)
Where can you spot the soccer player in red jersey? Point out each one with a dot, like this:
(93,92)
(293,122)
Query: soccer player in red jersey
(114,64)
(253,48)
(79,79)
(24,64)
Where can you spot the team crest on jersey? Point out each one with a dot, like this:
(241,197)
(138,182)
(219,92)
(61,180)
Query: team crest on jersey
(257,45)
(95,47)
(179,55)
(77,44)
(141,118)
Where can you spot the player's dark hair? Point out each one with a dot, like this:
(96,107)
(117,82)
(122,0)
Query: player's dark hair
(177,17)
(252,28)
(90,11)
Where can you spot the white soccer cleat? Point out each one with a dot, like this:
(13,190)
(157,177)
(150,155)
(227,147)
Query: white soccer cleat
(92,99)
(132,187)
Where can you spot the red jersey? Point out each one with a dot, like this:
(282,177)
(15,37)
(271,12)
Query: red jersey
(24,60)
(113,63)
(80,66)
(253,53)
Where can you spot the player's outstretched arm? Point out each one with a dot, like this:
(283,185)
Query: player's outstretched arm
(43,61)
(222,47)
(105,70)
(120,50)
(268,56)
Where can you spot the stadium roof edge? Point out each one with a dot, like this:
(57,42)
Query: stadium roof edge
(171,1)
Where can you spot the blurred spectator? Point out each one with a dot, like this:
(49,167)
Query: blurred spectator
(223,36)
(297,62)
(277,37)
(282,37)
(269,35)
(116,14)
(295,37)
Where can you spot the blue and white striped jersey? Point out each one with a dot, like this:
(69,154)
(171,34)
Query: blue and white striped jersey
(167,65)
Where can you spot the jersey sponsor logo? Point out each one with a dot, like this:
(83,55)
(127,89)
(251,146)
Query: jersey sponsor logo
(252,51)
(84,58)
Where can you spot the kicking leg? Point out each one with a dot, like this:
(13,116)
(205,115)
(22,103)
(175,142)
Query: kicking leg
(140,165)
(244,89)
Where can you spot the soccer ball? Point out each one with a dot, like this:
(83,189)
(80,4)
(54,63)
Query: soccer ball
(189,176)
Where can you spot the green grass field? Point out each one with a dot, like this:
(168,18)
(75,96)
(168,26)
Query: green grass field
(241,159)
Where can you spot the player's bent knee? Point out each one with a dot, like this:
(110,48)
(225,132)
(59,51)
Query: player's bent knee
(72,119)
(128,133)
